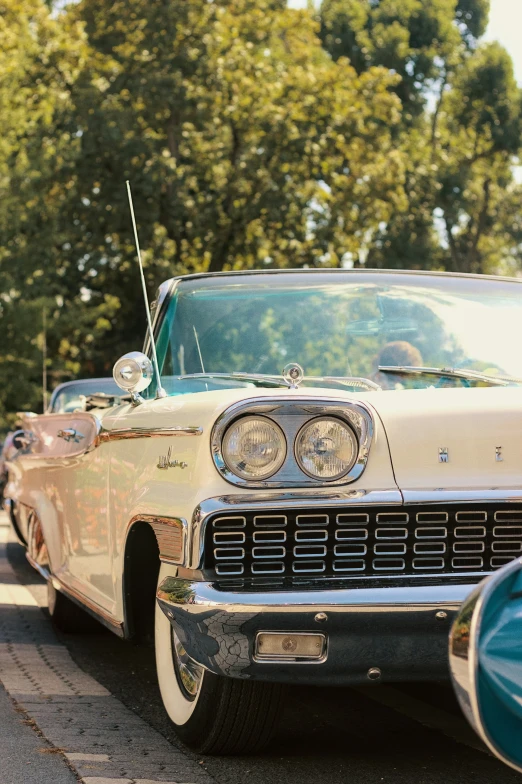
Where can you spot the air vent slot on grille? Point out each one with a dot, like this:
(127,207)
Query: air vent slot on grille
(270,521)
(265,537)
(354,543)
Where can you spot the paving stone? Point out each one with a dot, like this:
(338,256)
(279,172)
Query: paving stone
(105,742)
(96,780)
(88,757)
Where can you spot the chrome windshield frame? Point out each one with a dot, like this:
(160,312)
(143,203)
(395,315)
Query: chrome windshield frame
(463,373)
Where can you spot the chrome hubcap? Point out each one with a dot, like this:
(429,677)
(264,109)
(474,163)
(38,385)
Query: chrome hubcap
(188,673)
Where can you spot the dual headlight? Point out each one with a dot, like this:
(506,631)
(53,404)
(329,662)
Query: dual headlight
(254,448)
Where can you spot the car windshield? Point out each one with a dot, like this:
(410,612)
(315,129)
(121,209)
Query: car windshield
(340,324)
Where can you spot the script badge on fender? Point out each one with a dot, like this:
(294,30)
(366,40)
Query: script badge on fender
(165,461)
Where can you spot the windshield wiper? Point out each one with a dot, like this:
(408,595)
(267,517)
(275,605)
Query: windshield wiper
(279,381)
(472,375)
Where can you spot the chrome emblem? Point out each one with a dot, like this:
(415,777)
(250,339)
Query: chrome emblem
(165,461)
(443,454)
(293,374)
(498,454)
(70,435)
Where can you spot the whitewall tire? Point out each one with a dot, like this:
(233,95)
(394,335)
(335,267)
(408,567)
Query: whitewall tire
(212,714)
(179,701)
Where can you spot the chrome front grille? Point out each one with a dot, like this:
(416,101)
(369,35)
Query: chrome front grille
(363,542)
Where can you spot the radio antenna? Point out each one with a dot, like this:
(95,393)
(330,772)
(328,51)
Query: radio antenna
(160,392)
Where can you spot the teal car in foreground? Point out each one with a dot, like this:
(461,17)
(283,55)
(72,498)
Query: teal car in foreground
(486,662)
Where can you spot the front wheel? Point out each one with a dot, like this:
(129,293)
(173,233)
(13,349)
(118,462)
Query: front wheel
(212,714)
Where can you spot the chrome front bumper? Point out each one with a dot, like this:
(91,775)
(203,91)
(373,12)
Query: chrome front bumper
(402,631)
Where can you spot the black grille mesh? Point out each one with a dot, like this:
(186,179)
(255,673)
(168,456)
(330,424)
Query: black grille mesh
(357,542)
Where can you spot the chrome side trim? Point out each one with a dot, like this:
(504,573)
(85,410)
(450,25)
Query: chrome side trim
(291,500)
(291,415)
(146,432)
(89,606)
(42,570)
(100,435)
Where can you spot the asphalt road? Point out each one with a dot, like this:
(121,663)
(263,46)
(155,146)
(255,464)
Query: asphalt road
(373,734)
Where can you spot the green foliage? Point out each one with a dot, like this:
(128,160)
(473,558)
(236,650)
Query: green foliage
(414,38)
(254,135)
(461,199)
(472,19)
(234,128)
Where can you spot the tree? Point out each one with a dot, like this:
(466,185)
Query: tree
(420,40)
(40,59)
(459,130)
(481,134)
(463,201)
(245,145)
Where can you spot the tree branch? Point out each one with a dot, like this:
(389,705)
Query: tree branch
(475,265)
(435,118)
(452,245)
(218,257)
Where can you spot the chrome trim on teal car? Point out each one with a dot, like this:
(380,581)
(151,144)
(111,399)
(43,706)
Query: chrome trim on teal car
(485,655)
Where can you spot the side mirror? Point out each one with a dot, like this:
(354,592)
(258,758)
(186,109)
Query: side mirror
(486,662)
(133,372)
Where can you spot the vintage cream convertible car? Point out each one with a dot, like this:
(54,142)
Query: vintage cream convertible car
(319,524)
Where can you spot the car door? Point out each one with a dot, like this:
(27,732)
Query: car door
(63,475)
(486,662)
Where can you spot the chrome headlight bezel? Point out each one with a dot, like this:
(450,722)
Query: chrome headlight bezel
(298,447)
(267,422)
(291,414)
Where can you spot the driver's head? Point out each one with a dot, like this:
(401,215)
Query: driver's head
(400,353)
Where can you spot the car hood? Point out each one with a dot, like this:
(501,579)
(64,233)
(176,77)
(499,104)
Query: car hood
(480,428)
(412,426)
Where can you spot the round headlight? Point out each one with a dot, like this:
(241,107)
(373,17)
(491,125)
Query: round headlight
(326,448)
(254,447)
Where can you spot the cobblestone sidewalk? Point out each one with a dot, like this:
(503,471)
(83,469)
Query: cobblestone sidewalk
(103,741)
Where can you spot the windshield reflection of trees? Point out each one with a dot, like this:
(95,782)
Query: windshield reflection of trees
(333,333)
